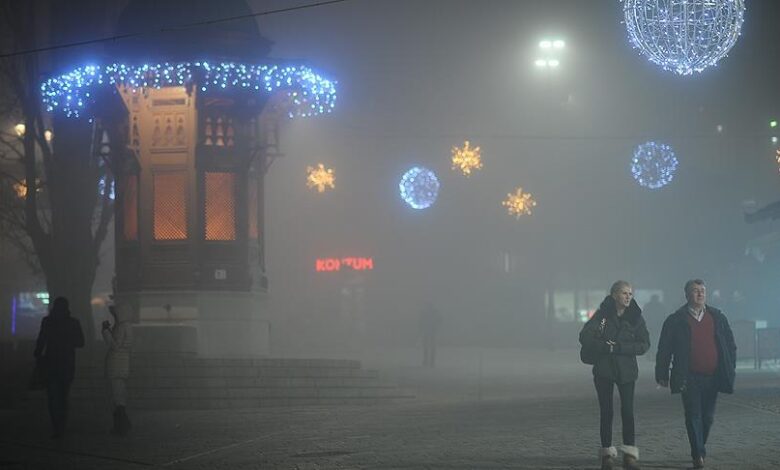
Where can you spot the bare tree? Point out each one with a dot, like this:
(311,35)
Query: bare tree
(56,204)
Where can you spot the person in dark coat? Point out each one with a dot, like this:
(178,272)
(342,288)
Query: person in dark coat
(697,342)
(58,338)
(429,322)
(654,313)
(618,333)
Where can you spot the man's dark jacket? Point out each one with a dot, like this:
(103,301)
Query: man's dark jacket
(58,338)
(628,331)
(674,348)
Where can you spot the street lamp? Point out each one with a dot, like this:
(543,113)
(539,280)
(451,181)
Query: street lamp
(20,129)
(551,48)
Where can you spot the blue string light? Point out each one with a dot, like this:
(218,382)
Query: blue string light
(684,36)
(308,93)
(654,165)
(419,187)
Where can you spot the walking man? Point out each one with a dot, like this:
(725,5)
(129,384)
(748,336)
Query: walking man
(59,337)
(698,343)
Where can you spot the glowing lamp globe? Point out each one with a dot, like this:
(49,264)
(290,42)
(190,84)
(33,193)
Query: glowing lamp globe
(653,165)
(684,36)
(419,187)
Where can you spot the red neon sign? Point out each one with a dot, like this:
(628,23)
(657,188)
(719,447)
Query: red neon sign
(337,264)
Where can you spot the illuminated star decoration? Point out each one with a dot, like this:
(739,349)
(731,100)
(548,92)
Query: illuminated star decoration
(307,92)
(466,159)
(684,36)
(654,165)
(519,203)
(320,178)
(419,187)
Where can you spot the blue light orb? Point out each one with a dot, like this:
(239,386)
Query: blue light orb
(419,187)
(654,165)
(684,36)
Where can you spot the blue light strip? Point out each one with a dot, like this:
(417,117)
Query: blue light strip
(309,93)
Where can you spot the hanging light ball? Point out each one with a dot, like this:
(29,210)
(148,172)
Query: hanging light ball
(684,36)
(419,187)
(654,165)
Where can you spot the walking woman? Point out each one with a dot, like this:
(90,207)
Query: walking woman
(614,337)
(119,339)
(58,339)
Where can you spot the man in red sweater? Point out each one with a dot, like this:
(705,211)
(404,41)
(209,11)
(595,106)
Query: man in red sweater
(697,342)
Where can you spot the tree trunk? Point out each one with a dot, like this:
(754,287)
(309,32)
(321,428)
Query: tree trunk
(74,194)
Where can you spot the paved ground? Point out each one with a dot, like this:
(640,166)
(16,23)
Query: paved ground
(511,413)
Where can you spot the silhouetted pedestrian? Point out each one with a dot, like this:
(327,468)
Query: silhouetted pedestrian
(119,339)
(58,338)
(430,319)
(654,312)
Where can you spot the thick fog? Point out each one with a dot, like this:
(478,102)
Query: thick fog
(416,79)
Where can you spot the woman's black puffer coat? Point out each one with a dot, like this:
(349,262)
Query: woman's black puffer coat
(629,333)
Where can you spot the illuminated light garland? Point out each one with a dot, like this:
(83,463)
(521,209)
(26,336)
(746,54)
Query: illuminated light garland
(320,178)
(466,159)
(519,203)
(419,187)
(684,36)
(653,165)
(308,93)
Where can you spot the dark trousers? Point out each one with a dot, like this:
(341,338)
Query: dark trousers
(57,391)
(699,399)
(605,390)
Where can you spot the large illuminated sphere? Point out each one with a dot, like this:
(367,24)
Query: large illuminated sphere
(419,187)
(654,165)
(684,36)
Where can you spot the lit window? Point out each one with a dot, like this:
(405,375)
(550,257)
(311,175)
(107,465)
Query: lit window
(220,210)
(170,206)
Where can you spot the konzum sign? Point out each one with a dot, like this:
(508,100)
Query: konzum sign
(338,264)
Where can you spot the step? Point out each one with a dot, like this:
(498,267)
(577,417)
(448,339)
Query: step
(244,393)
(231,382)
(228,371)
(157,360)
(210,404)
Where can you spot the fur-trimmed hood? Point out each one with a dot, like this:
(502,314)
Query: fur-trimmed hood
(608,308)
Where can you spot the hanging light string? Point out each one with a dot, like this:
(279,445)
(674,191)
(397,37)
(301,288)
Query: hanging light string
(165,29)
(307,92)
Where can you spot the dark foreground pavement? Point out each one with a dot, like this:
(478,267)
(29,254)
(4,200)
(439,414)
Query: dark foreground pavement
(489,417)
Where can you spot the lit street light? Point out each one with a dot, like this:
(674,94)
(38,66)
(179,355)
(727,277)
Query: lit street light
(550,50)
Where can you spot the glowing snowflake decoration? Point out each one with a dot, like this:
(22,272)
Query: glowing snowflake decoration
(320,178)
(419,187)
(519,203)
(466,159)
(654,165)
(684,36)
(307,92)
